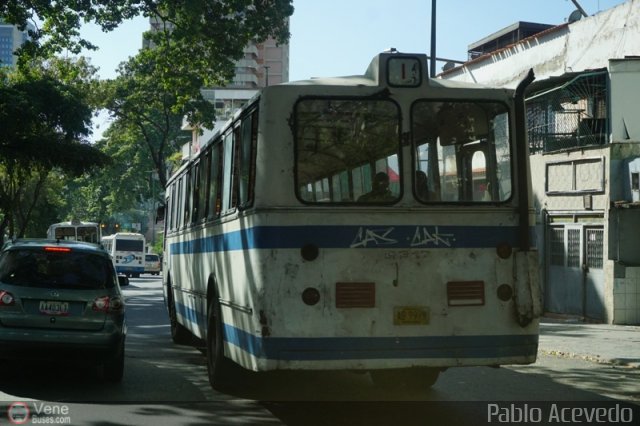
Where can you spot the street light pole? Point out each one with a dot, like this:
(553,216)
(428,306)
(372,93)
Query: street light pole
(432,62)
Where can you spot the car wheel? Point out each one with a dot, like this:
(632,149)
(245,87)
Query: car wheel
(219,368)
(179,333)
(113,369)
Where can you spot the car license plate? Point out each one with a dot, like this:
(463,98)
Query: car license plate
(411,315)
(53,307)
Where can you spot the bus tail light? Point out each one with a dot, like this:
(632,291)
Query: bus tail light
(504,250)
(6,298)
(355,295)
(505,292)
(465,293)
(310,296)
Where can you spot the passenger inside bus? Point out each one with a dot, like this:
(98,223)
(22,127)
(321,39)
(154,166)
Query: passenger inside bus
(379,191)
(422,191)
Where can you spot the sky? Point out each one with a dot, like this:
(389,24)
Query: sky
(340,37)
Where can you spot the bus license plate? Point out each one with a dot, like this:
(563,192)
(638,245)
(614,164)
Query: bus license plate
(410,315)
(51,307)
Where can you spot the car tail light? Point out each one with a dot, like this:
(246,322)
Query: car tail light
(107,304)
(58,249)
(6,298)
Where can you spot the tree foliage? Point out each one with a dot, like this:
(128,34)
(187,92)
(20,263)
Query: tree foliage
(194,44)
(197,40)
(44,124)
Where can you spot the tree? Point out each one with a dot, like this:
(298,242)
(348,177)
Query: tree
(146,113)
(43,126)
(197,41)
(194,44)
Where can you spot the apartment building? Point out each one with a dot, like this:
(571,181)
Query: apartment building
(11,38)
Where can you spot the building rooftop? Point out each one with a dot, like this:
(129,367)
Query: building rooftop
(504,37)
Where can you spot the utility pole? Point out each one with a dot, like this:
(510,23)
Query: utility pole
(575,2)
(432,61)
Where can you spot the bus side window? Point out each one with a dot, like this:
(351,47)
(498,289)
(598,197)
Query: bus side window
(247,162)
(235,179)
(187,198)
(179,202)
(196,190)
(214,181)
(203,181)
(227,175)
(173,202)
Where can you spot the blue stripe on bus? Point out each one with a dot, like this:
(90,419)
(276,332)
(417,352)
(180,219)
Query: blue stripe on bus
(342,348)
(352,236)
(129,269)
(191,315)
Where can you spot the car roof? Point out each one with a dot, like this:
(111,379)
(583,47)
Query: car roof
(34,243)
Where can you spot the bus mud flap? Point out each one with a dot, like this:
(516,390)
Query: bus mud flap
(527,295)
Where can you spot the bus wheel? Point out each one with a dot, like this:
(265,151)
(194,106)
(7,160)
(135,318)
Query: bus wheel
(218,367)
(179,333)
(408,378)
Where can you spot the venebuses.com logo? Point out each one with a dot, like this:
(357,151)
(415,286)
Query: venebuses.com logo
(20,413)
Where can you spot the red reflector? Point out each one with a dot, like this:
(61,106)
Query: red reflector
(57,249)
(465,293)
(355,295)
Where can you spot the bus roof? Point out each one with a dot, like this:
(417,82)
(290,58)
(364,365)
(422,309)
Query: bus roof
(377,74)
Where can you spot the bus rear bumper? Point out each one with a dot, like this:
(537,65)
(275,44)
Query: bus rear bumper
(365,353)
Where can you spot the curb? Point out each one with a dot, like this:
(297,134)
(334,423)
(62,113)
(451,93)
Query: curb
(616,362)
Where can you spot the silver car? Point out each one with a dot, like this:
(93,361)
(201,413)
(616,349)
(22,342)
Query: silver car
(61,298)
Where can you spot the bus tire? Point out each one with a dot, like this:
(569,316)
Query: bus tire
(408,378)
(180,335)
(219,367)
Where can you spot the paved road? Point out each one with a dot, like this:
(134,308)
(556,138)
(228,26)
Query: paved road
(165,384)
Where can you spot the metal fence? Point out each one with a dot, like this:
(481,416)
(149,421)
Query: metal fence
(570,115)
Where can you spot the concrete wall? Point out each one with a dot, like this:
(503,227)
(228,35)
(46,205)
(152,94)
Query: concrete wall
(583,45)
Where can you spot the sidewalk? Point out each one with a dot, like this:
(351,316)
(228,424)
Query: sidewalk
(603,343)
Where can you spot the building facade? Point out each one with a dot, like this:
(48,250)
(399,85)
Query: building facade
(584,140)
(11,38)
(263,64)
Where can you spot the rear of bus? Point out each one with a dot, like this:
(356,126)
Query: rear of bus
(129,253)
(390,229)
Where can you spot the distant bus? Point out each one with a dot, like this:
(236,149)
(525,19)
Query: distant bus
(127,250)
(75,230)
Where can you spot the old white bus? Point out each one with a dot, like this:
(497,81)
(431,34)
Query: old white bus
(379,223)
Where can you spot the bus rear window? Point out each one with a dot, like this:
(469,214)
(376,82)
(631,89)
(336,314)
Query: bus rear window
(129,245)
(347,151)
(462,151)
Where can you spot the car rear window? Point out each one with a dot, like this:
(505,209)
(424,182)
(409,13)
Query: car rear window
(53,269)
(151,258)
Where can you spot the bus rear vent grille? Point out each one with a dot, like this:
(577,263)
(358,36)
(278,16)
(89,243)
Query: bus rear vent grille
(355,295)
(465,293)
